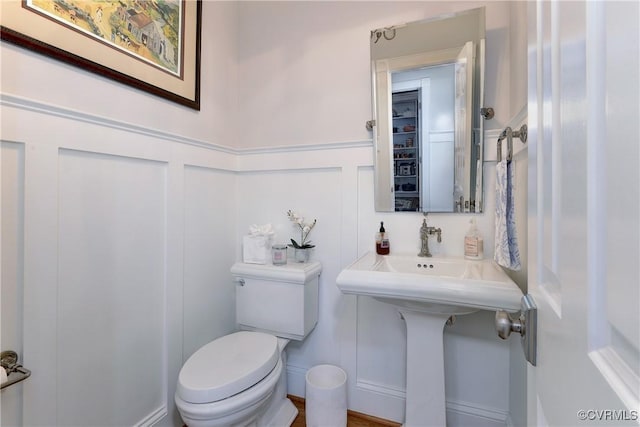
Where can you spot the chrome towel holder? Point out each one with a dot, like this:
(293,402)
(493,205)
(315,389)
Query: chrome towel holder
(509,133)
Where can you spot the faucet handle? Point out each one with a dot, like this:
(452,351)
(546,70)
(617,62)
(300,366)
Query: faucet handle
(436,231)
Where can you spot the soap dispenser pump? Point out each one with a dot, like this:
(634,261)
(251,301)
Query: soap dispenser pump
(382,241)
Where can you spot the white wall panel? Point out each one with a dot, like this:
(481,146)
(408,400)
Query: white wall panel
(315,194)
(332,184)
(105,194)
(12,269)
(209,232)
(366,337)
(476,362)
(382,335)
(111,289)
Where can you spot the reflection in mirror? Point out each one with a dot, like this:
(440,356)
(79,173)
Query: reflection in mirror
(428,89)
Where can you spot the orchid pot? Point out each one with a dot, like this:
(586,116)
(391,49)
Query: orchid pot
(302,249)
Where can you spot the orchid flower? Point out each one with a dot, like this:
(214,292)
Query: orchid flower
(305,229)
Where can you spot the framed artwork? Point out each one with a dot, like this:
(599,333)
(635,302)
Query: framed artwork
(151,45)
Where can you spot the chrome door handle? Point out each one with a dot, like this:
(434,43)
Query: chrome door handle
(526,325)
(505,324)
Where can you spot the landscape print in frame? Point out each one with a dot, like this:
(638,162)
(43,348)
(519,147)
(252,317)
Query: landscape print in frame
(153,45)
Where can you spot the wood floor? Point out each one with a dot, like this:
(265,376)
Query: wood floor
(354,419)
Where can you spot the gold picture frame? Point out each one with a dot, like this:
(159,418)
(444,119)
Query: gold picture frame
(137,43)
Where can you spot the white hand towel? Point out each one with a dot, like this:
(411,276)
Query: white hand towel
(506,251)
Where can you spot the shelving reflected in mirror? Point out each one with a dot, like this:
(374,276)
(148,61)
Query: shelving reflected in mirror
(428,79)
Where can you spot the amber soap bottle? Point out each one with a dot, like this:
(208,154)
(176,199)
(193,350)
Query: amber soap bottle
(382,241)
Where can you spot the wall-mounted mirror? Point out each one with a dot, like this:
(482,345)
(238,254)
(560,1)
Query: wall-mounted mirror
(428,87)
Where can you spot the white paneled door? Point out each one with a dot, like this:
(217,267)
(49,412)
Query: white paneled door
(584,192)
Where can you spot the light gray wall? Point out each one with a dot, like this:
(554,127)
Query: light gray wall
(304,67)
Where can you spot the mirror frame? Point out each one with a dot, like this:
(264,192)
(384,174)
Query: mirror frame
(381,73)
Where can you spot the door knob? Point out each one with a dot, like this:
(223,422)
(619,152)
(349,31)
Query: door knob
(505,324)
(525,325)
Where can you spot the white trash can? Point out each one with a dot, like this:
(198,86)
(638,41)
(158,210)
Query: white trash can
(326,396)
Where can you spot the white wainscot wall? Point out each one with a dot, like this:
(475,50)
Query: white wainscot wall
(128,237)
(334,183)
(115,264)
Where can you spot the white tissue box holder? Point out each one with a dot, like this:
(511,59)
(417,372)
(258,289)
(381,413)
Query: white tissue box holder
(256,249)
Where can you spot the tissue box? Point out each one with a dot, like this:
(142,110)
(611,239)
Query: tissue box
(256,249)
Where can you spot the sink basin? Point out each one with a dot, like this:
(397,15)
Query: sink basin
(427,292)
(440,284)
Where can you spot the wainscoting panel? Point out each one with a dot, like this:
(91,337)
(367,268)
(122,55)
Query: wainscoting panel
(111,289)
(382,334)
(109,214)
(315,193)
(129,236)
(209,292)
(474,357)
(12,281)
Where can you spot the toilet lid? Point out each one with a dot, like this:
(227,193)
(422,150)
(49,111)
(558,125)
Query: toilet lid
(227,366)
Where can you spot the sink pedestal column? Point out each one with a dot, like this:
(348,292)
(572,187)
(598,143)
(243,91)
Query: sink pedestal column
(425,398)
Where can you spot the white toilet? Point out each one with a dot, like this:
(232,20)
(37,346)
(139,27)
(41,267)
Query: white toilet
(240,379)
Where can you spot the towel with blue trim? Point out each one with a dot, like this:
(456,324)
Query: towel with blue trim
(506,252)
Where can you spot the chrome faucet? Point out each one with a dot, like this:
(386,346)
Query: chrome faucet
(424,238)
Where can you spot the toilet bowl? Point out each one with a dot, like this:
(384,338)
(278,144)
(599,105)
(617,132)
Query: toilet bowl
(230,381)
(240,379)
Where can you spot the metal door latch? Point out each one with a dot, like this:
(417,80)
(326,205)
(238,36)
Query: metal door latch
(526,325)
(15,371)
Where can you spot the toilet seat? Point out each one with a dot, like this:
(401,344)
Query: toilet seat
(227,366)
(232,410)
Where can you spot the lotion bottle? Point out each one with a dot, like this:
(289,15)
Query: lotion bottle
(473,243)
(382,241)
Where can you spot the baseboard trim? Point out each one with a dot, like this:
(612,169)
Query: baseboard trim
(300,401)
(492,415)
(473,410)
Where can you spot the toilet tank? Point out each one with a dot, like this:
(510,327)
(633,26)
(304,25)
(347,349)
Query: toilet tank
(278,299)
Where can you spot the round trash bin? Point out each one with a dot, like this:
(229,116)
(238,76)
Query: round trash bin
(326,396)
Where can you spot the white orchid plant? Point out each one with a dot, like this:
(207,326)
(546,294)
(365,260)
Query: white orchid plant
(305,229)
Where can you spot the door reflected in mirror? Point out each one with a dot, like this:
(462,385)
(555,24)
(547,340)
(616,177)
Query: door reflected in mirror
(428,89)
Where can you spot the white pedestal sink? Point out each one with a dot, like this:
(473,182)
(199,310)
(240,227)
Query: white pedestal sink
(427,291)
